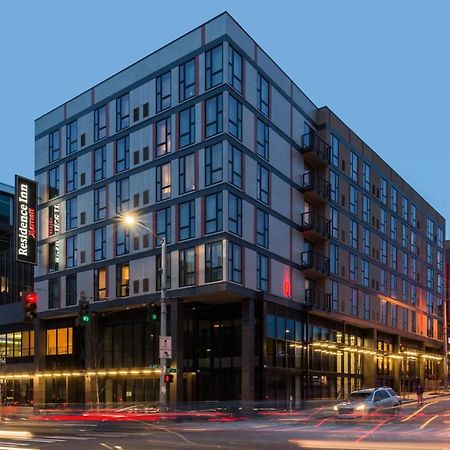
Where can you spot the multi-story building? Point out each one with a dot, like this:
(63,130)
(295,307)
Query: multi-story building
(16,337)
(299,263)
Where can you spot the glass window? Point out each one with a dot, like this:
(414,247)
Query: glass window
(234,214)
(334,187)
(262,140)
(353,267)
(213,262)
(235,166)
(334,259)
(393,286)
(234,262)
(100,284)
(187,220)
(71,175)
(429,253)
(383,281)
(262,184)
(99,243)
(187,80)
(365,273)
(334,150)
(440,260)
(53,256)
(405,208)
(99,163)
(100,123)
(263,95)
(187,127)
(354,301)
(123,112)
(164,225)
(440,238)
(413,268)
(383,188)
(59,341)
(163,182)
(71,290)
(354,234)
(366,306)
(122,154)
(366,241)
(393,228)
(122,195)
(262,228)
(213,164)
(412,209)
(334,295)
(366,176)
(235,117)
(383,311)
(404,263)
(100,203)
(430,229)
(186,168)
(262,272)
(354,166)
(393,257)
(334,217)
(394,315)
(383,251)
(122,240)
(122,280)
(213,216)
(353,200)
(53,183)
(235,69)
(413,242)
(383,220)
(71,251)
(163,92)
(393,199)
(71,137)
(187,267)
(71,213)
(404,318)
(366,209)
(404,236)
(53,146)
(213,67)
(163,137)
(214,116)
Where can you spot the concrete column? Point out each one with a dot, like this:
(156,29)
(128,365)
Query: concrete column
(370,361)
(176,331)
(248,351)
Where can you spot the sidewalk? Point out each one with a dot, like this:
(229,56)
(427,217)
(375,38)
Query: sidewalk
(411,396)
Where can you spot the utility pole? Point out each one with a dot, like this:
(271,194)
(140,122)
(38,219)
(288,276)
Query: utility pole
(163,332)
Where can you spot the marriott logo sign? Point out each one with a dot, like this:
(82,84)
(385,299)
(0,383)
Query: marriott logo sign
(25,226)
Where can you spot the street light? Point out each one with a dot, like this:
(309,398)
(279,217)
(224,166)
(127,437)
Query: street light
(130,220)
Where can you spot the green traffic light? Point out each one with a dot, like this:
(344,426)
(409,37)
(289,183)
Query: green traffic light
(86,318)
(154,316)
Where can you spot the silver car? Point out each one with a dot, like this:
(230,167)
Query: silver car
(367,402)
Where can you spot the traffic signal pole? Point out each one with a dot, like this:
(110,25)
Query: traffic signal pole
(163,332)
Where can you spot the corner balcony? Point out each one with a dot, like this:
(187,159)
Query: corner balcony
(315,299)
(315,227)
(315,188)
(315,150)
(314,265)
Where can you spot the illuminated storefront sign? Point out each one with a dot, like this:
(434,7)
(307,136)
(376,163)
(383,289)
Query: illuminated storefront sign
(54,221)
(25,226)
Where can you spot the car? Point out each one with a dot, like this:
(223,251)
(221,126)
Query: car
(368,402)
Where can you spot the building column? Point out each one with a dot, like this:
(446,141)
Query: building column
(176,331)
(397,363)
(248,351)
(39,362)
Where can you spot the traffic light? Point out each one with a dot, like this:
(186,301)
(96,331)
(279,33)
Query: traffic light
(83,315)
(152,312)
(168,378)
(29,306)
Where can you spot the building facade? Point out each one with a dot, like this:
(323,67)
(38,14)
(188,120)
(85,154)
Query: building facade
(300,265)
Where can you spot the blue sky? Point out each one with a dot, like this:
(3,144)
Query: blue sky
(382,66)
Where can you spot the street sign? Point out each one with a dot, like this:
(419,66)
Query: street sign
(172,370)
(165,347)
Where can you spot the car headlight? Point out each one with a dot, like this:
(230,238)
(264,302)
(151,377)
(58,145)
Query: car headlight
(335,408)
(361,407)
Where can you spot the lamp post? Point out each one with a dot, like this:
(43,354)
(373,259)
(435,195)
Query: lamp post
(129,219)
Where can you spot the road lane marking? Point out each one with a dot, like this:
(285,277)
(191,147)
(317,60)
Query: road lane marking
(427,422)
(418,411)
(106,445)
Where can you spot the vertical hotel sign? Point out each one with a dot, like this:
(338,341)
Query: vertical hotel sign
(25,226)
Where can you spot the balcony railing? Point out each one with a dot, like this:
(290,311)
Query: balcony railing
(311,182)
(315,261)
(316,147)
(316,299)
(314,222)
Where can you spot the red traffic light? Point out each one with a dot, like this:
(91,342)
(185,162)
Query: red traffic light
(168,378)
(31,297)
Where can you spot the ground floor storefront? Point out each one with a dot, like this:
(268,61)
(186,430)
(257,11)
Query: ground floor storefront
(245,350)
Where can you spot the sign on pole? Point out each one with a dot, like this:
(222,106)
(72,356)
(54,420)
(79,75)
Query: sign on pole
(165,347)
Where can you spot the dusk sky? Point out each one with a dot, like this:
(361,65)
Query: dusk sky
(382,66)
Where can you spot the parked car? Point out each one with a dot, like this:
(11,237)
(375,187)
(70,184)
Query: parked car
(367,402)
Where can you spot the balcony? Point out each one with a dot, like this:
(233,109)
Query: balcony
(315,299)
(315,227)
(315,150)
(315,265)
(315,188)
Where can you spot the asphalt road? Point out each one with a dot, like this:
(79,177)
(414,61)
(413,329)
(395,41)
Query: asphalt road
(414,429)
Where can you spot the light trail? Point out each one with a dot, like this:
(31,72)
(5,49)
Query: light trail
(371,431)
(344,445)
(418,411)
